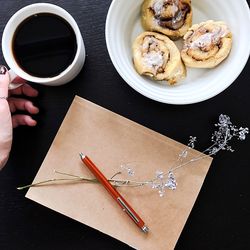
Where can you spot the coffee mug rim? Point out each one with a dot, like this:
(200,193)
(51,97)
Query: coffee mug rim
(11,60)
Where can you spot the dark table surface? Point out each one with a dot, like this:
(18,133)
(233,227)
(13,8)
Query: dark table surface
(220,218)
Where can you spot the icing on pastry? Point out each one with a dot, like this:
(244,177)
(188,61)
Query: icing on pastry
(170,17)
(206,44)
(155,55)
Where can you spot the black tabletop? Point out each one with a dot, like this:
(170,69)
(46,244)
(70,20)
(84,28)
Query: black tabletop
(220,218)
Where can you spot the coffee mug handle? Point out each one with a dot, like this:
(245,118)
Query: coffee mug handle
(15,80)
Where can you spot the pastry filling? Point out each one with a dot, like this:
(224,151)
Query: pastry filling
(170,14)
(153,57)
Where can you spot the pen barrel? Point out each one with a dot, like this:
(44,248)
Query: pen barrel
(114,193)
(100,177)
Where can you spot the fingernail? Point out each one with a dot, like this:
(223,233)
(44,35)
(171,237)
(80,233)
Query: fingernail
(3,70)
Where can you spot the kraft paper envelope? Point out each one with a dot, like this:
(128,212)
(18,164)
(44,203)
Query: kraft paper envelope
(111,140)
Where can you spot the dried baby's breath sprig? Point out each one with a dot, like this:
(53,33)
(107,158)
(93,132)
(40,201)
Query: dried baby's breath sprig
(220,141)
(164,181)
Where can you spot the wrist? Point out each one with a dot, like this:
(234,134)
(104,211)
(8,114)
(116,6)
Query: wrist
(5,148)
(3,160)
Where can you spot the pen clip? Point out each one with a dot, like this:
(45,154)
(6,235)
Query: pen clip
(127,210)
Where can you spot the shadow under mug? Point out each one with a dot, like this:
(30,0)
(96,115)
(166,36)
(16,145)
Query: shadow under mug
(65,76)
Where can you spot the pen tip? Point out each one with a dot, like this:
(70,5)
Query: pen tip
(145,229)
(82,155)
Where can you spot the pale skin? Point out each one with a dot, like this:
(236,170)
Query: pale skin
(8,121)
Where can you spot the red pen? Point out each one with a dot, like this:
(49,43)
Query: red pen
(114,193)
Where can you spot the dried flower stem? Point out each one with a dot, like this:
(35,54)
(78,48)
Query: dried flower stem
(40,183)
(115,182)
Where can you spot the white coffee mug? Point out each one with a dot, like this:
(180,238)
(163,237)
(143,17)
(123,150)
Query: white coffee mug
(64,77)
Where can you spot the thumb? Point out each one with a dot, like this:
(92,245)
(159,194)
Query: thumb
(4,81)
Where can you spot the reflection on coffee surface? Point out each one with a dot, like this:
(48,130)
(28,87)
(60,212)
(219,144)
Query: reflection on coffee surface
(44,45)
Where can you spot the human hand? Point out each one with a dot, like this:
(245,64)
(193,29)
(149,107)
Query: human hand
(10,105)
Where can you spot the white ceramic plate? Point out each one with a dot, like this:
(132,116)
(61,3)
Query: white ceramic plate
(123,25)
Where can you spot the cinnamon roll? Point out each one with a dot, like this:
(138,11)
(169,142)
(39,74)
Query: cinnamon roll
(155,55)
(170,17)
(206,44)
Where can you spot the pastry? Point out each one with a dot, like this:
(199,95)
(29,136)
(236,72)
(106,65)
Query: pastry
(170,17)
(206,44)
(155,55)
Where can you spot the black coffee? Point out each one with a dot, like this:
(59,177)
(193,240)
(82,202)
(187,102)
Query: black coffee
(44,45)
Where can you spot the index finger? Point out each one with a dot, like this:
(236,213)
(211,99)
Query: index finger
(24,90)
